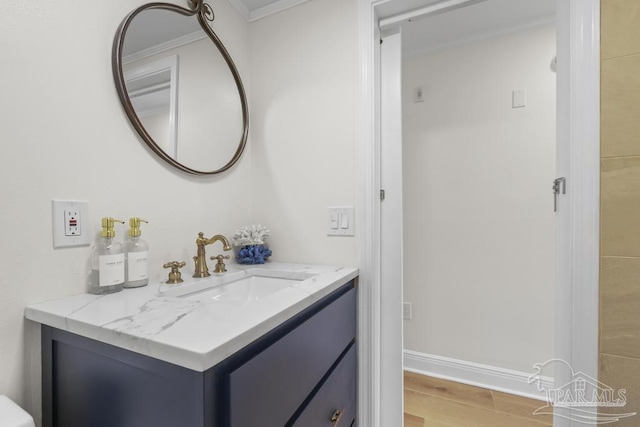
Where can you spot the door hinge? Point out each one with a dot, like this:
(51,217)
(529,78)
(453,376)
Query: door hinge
(559,187)
(382,195)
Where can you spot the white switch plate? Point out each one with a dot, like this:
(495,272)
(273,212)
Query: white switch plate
(519,98)
(70,223)
(340,221)
(418,94)
(407,310)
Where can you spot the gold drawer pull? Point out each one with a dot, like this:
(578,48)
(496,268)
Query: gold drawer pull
(335,418)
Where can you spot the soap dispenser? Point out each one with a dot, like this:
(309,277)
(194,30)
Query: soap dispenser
(136,256)
(107,261)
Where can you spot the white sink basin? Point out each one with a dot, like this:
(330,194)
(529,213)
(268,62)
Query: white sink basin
(240,287)
(252,288)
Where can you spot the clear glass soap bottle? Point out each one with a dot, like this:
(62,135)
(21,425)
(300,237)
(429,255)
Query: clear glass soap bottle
(136,258)
(107,261)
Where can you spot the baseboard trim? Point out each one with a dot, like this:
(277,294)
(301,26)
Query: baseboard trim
(475,374)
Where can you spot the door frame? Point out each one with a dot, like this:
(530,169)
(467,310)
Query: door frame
(391,237)
(578,239)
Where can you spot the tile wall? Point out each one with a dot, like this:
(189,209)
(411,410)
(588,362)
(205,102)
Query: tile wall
(620,202)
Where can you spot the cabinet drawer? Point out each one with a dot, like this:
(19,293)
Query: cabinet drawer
(268,389)
(336,397)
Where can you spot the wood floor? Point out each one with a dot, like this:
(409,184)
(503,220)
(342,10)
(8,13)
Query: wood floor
(439,403)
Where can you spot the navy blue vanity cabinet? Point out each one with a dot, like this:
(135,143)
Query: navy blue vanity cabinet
(276,382)
(87,383)
(334,404)
(302,373)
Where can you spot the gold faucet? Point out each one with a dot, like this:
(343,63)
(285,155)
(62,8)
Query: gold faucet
(201,257)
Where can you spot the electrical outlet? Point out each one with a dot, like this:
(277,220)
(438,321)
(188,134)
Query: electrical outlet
(407,311)
(70,227)
(72,222)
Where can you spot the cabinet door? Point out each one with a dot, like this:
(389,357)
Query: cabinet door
(334,405)
(268,389)
(87,383)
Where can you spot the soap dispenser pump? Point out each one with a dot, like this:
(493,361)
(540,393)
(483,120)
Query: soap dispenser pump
(107,261)
(136,256)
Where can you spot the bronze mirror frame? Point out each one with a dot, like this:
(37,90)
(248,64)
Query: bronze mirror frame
(203,13)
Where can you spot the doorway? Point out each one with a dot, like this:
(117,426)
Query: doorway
(578,120)
(479,144)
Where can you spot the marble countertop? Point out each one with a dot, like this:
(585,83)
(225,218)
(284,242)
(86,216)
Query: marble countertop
(157,321)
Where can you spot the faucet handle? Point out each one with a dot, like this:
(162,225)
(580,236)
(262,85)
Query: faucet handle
(175,276)
(220,267)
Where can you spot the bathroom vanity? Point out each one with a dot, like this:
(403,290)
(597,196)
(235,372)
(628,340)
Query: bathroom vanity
(267,346)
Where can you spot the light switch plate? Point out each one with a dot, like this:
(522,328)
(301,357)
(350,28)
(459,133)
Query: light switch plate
(340,221)
(70,223)
(519,98)
(407,310)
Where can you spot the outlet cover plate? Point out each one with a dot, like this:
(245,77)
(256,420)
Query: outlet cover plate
(79,211)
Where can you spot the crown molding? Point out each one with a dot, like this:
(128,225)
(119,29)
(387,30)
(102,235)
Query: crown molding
(241,8)
(257,14)
(273,8)
(171,44)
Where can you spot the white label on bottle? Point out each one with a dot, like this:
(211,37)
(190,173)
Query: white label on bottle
(111,269)
(137,263)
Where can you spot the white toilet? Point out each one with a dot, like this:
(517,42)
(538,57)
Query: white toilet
(11,415)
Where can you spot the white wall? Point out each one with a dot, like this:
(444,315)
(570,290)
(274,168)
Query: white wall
(304,127)
(479,240)
(65,135)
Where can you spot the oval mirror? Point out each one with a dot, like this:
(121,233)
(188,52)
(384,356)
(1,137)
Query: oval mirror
(181,92)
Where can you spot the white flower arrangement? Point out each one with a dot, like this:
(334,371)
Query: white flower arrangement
(254,234)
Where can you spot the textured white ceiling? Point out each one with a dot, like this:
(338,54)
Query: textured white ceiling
(253,10)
